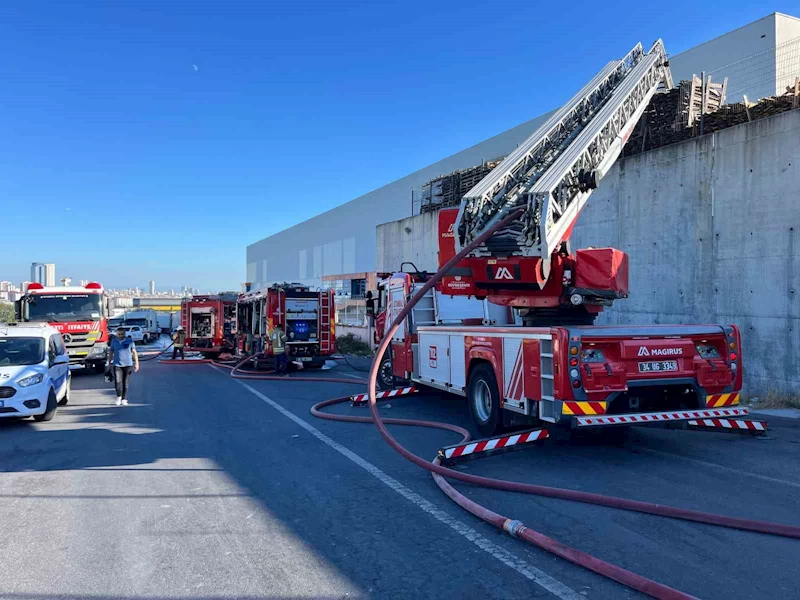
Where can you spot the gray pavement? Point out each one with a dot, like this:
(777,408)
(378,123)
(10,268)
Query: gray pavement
(207,488)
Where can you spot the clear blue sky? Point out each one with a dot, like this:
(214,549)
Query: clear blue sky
(156,139)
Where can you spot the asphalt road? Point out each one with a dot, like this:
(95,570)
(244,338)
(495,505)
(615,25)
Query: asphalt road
(207,488)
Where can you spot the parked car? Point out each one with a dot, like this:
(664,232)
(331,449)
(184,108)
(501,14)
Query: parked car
(34,371)
(135,332)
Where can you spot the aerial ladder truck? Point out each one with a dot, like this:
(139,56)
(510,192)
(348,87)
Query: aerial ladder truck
(511,325)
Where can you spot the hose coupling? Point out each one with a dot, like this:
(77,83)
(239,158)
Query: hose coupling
(513,527)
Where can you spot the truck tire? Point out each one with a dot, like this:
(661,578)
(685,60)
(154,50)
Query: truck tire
(483,397)
(50,411)
(386,379)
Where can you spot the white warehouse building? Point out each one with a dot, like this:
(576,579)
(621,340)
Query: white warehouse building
(759,59)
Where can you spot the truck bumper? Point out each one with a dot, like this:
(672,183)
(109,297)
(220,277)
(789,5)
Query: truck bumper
(659,417)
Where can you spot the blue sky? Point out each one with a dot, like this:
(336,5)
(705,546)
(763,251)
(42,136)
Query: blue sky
(156,139)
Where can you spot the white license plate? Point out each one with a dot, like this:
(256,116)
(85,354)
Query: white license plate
(305,359)
(658,366)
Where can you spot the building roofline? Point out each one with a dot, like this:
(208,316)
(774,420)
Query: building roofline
(722,35)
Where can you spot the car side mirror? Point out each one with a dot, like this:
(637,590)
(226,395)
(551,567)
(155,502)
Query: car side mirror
(61,359)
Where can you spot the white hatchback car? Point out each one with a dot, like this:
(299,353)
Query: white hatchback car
(34,371)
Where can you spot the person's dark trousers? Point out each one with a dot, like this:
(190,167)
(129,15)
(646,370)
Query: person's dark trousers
(121,376)
(281,363)
(176,351)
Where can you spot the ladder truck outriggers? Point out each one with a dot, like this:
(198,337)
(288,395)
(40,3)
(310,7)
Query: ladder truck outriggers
(511,326)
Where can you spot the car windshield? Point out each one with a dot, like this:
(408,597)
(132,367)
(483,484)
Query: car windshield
(17,351)
(64,307)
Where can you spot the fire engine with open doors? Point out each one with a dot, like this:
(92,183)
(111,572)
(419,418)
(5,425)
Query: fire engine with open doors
(511,326)
(79,313)
(305,316)
(210,323)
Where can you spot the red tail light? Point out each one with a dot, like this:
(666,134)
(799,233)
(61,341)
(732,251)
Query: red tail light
(733,356)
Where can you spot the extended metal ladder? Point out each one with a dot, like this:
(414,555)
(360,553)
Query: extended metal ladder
(554,171)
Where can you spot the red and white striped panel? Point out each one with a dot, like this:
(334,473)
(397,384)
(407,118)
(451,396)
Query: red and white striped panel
(493,443)
(680,415)
(362,399)
(743,424)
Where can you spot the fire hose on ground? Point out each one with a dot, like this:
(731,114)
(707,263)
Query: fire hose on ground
(512,526)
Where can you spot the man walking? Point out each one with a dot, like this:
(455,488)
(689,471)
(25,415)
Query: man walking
(279,350)
(122,357)
(178,342)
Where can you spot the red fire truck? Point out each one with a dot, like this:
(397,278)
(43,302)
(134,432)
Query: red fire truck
(511,325)
(304,315)
(79,313)
(210,323)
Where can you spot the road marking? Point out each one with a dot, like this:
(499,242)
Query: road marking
(355,376)
(528,571)
(717,466)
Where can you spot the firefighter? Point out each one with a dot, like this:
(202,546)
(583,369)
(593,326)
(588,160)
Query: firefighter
(178,342)
(279,350)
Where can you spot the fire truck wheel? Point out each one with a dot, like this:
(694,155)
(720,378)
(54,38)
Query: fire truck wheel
(385,377)
(484,399)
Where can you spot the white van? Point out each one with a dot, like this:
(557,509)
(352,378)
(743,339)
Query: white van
(34,371)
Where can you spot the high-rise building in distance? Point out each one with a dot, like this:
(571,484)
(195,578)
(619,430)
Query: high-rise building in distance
(23,287)
(49,274)
(152,288)
(84,282)
(37,273)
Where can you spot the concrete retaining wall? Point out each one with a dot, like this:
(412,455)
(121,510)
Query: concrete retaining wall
(413,239)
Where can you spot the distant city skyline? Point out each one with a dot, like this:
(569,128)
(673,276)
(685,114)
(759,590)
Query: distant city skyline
(46,274)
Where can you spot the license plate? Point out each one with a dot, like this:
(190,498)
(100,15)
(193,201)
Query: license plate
(658,366)
(305,359)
